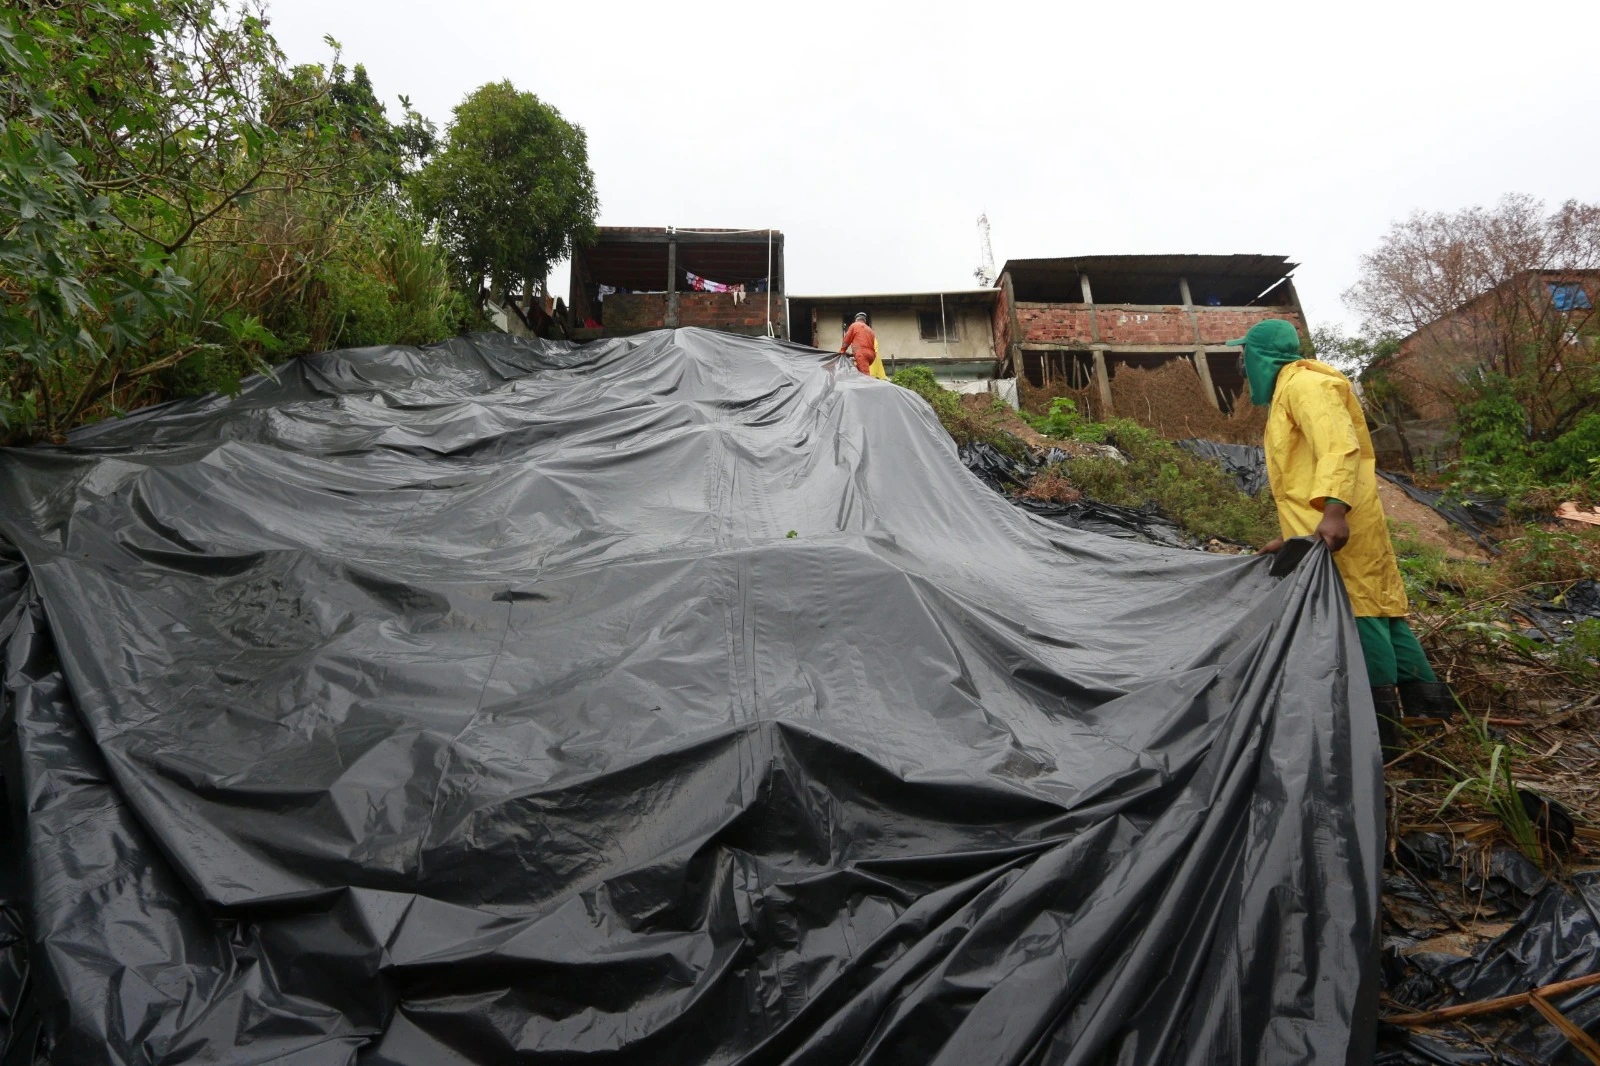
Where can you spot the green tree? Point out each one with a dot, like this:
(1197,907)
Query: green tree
(135,134)
(511,189)
(178,206)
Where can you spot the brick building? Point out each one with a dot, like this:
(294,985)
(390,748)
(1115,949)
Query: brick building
(637,278)
(1075,321)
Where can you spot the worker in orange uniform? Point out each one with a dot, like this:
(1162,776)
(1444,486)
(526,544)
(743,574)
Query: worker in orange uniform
(1323,473)
(861,343)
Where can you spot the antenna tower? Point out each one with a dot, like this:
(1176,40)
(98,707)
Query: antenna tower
(985,272)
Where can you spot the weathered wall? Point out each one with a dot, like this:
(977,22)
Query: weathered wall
(898,336)
(1000,324)
(1142,324)
(717,310)
(634,312)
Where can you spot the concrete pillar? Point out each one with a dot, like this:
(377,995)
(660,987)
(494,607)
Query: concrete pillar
(1102,379)
(672,284)
(1183,290)
(1088,294)
(1204,370)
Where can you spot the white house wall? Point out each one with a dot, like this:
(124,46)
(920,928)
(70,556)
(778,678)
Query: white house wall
(899,337)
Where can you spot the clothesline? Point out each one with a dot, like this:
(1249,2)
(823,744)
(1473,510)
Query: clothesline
(705,284)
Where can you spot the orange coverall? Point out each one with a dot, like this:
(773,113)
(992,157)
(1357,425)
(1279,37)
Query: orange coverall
(860,341)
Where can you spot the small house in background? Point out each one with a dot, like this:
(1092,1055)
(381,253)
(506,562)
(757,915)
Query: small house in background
(950,333)
(635,279)
(1540,321)
(1071,323)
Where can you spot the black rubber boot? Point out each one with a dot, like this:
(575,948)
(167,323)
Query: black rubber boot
(1386,700)
(1428,699)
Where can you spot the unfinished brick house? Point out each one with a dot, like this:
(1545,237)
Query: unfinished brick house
(1073,322)
(637,278)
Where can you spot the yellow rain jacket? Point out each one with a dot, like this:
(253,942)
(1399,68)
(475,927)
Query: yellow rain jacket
(1317,446)
(876,369)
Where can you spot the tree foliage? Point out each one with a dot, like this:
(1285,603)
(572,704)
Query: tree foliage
(1473,295)
(177,204)
(511,189)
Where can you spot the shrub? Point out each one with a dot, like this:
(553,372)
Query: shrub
(1550,556)
(1196,493)
(1575,455)
(945,404)
(1063,422)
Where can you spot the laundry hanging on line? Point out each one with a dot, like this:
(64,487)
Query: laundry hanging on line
(700,284)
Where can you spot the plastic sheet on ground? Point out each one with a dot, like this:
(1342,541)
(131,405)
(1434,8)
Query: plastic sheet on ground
(1008,476)
(1473,517)
(671,699)
(1551,613)
(1245,463)
(1554,936)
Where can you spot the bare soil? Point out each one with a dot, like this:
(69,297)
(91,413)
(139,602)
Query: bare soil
(1426,524)
(1171,400)
(983,409)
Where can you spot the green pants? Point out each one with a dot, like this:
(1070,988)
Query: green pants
(1393,655)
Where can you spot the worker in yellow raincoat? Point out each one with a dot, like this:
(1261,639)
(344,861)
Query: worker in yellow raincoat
(1324,478)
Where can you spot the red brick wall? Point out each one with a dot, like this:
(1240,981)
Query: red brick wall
(1169,325)
(634,312)
(716,310)
(1219,325)
(1054,323)
(1070,323)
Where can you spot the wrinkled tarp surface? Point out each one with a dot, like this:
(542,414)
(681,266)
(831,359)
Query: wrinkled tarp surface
(1555,937)
(671,699)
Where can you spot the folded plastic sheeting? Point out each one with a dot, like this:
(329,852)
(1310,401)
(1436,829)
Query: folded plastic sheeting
(1245,463)
(671,699)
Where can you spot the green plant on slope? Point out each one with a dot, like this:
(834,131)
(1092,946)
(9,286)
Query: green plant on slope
(1063,422)
(169,191)
(1491,784)
(1194,492)
(945,404)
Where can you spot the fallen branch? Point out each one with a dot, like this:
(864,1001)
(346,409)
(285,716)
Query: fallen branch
(1575,1036)
(1538,998)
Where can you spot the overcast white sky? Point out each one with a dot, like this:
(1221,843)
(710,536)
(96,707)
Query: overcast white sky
(872,135)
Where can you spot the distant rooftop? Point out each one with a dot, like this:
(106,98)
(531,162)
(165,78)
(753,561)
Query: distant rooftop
(1231,280)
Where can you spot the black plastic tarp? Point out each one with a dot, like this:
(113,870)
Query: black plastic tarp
(671,699)
(1555,936)
(1245,463)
